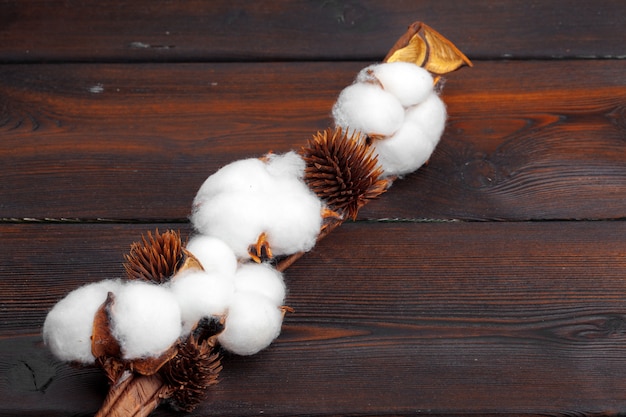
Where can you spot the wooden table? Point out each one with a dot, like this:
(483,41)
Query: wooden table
(490,282)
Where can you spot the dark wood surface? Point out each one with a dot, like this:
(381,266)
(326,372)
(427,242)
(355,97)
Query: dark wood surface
(490,282)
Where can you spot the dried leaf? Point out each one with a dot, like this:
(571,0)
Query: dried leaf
(424,46)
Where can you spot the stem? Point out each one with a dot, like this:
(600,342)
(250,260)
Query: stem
(134,395)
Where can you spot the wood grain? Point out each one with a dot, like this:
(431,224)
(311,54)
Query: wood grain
(490,282)
(390,318)
(136,141)
(230,30)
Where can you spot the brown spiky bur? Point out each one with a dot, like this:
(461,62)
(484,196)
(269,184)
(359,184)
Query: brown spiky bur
(342,170)
(158,257)
(155,258)
(195,368)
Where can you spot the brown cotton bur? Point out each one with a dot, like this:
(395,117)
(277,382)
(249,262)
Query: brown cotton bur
(103,344)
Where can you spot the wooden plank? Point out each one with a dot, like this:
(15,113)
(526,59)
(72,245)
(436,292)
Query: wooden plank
(525,140)
(390,318)
(524,143)
(301,30)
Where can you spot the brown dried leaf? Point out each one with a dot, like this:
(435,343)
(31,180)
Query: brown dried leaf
(427,48)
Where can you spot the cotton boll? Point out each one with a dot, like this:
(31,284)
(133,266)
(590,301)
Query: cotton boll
(405,151)
(290,221)
(201,294)
(68,326)
(213,253)
(409,83)
(289,213)
(281,206)
(369,109)
(253,322)
(261,279)
(430,115)
(145,319)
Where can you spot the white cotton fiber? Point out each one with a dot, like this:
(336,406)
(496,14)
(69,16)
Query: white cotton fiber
(276,202)
(261,279)
(288,165)
(430,115)
(243,175)
(252,175)
(145,319)
(293,221)
(405,151)
(253,322)
(409,83)
(213,253)
(366,75)
(201,294)
(68,326)
(237,218)
(369,109)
